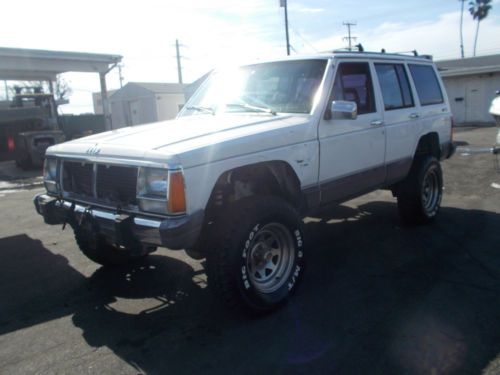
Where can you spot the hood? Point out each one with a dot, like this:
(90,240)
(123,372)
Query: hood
(168,139)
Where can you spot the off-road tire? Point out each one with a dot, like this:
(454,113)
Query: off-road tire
(419,195)
(25,164)
(244,254)
(99,251)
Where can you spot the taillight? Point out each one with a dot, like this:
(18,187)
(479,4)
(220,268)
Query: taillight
(11,146)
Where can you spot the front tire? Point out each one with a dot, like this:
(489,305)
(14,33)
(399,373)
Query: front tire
(420,194)
(257,257)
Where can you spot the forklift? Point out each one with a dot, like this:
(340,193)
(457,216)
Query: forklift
(28,126)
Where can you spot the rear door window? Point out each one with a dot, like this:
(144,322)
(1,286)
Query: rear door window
(394,85)
(427,84)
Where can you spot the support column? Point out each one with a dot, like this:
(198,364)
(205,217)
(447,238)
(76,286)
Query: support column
(51,86)
(105,102)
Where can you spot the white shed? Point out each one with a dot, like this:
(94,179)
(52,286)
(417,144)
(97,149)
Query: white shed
(471,84)
(141,103)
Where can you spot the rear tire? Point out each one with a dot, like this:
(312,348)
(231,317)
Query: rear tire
(257,257)
(95,247)
(419,195)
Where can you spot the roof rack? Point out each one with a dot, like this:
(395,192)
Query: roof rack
(360,49)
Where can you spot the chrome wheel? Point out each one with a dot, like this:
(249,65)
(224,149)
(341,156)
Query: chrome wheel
(431,191)
(271,257)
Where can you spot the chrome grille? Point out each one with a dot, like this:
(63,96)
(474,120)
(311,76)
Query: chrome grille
(78,178)
(116,184)
(109,184)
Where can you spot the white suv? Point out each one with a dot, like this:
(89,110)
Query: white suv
(255,150)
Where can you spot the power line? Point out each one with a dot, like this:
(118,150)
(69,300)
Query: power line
(349,38)
(303,39)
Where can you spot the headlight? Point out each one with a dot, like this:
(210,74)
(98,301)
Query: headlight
(161,191)
(152,182)
(152,190)
(50,175)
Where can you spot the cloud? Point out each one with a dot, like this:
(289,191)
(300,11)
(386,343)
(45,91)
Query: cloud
(439,38)
(216,32)
(310,10)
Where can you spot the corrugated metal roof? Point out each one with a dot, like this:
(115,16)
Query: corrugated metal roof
(33,64)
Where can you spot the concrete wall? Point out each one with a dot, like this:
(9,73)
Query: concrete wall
(470,97)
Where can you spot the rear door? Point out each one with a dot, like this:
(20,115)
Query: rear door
(352,150)
(401,116)
(434,111)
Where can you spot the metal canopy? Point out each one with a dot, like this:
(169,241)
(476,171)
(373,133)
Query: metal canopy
(39,65)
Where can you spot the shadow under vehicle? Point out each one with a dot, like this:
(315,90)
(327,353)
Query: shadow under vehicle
(395,300)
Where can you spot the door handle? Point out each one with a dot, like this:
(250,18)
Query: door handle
(414,116)
(377,123)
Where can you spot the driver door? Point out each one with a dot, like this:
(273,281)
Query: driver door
(352,151)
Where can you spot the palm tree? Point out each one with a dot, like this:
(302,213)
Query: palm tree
(462,29)
(479,10)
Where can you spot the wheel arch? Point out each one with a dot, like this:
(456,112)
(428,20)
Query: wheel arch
(276,177)
(428,144)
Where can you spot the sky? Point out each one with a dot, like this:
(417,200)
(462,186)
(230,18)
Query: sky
(216,32)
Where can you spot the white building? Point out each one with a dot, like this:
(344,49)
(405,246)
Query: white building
(141,103)
(471,84)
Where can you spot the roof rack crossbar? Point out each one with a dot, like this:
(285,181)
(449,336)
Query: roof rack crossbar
(383,51)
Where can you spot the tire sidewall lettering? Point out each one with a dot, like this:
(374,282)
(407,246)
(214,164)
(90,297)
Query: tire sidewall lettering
(297,267)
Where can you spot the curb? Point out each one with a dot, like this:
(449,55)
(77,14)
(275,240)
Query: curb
(22,186)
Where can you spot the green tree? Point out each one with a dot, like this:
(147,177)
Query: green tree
(62,89)
(479,10)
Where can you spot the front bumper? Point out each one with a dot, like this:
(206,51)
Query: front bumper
(173,232)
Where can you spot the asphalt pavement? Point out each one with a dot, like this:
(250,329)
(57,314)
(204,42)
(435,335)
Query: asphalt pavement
(377,297)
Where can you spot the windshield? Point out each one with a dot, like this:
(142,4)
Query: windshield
(285,86)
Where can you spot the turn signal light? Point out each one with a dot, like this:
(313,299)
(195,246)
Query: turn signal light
(176,193)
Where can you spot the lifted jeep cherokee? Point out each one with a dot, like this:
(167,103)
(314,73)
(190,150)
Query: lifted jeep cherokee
(252,152)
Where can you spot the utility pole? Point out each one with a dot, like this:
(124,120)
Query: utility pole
(179,68)
(284,4)
(349,38)
(120,66)
(462,29)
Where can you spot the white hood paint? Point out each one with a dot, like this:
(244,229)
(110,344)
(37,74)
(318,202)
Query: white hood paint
(193,140)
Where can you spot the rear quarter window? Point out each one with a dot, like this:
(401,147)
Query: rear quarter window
(427,84)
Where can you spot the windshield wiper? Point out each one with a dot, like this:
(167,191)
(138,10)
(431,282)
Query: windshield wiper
(201,109)
(252,108)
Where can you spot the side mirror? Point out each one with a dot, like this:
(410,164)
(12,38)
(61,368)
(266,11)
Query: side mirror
(342,109)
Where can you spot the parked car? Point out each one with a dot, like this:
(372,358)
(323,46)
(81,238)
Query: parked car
(495,108)
(252,152)
(495,112)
